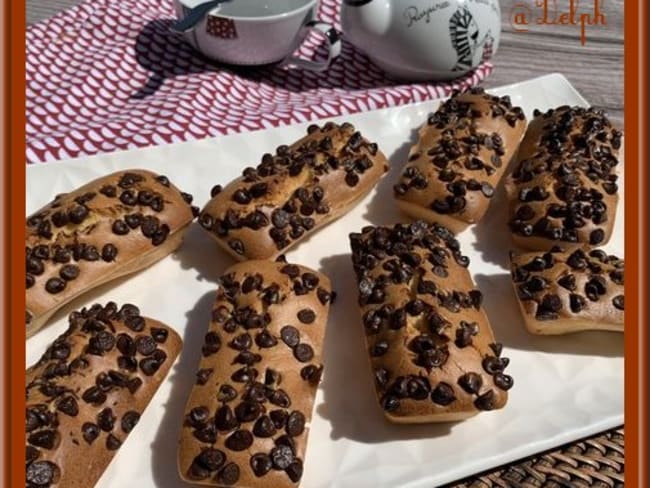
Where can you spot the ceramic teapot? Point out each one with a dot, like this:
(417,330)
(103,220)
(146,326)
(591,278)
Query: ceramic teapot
(423,39)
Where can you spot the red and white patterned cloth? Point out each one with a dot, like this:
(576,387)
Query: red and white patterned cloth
(109,75)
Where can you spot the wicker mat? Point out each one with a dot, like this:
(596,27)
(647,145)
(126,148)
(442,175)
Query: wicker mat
(593,462)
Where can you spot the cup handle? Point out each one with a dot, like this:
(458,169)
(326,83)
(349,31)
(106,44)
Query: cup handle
(334,40)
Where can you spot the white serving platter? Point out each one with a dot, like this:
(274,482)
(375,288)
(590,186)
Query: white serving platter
(565,387)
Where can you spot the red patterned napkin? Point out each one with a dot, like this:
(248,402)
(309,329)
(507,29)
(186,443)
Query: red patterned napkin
(109,75)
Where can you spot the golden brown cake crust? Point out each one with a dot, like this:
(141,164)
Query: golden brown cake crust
(462,153)
(431,348)
(247,418)
(88,391)
(294,192)
(563,188)
(109,227)
(568,291)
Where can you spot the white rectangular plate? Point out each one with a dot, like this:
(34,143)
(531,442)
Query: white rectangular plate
(565,387)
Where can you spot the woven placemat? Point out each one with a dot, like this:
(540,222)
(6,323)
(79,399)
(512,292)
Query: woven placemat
(597,461)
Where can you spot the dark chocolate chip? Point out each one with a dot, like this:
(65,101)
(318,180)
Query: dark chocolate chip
(443,394)
(112,442)
(247,411)
(90,432)
(471,382)
(294,470)
(596,236)
(281,457)
(264,427)
(568,282)
(260,464)
(311,373)
(226,392)
(239,440)
(149,365)
(55,285)
(159,335)
(145,345)
(265,339)
(306,316)
(42,473)
(303,352)
(280,398)
(503,381)
(229,474)
(129,421)
(120,228)
(94,395)
(211,459)
(290,335)
(106,419)
(224,419)
(295,423)
(46,439)
(241,342)
(619,302)
(486,401)
(207,434)
(68,405)
(212,343)
(216,189)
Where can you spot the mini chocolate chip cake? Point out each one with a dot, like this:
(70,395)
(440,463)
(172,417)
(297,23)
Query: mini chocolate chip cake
(86,394)
(462,152)
(293,192)
(247,418)
(110,227)
(568,291)
(563,190)
(432,352)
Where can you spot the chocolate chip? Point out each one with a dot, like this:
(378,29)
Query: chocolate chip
(149,365)
(102,342)
(241,196)
(216,189)
(280,398)
(486,401)
(247,411)
(109,253)
(108,190)
(134,385)
(596,236)
(198,416)
(265,339)
(68,405)
(487,189)
(243,375)
(55,285)
(229,474)
(226,393)
(379,348)
(470,382)
(295,423)
(212,343)
(260,464)
(197,472)
(112,442)
(290,335)
(46,439)
(42,473)
(90,432)
(120,228)
(351,179)
(145,345)
(31,454)
(149,226)
(503,381)
(568,282)
(281,457)
(619,302)
(206,434)
(311,373)
(443,394)
(306,316)
(106,419)
(129,421)
(239,440)
(303,352)
(159,335)
(224,419)
(294,470)
(264,427)
(237,246)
